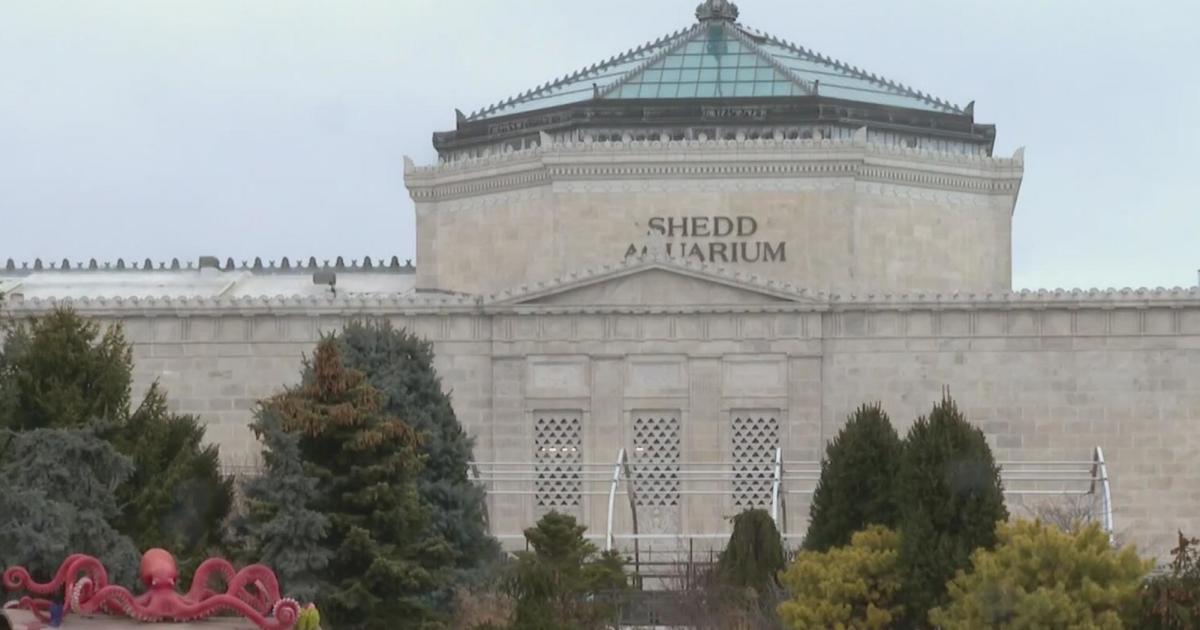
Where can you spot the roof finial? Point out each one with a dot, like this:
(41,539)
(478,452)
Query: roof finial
(717,10)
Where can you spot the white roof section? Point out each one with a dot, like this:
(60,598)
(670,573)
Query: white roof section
(202,283)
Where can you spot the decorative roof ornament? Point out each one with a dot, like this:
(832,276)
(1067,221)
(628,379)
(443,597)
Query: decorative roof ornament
(717,10)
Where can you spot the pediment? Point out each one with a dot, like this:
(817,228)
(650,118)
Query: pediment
(653,283)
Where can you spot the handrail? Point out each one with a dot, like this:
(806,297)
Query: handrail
(612,499)
(1100,473)
(776,485)
(1031,479)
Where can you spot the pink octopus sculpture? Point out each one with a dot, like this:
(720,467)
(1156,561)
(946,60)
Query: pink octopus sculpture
(252,593)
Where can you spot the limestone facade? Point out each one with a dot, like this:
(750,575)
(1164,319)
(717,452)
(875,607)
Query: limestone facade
(608,355)
(840,215)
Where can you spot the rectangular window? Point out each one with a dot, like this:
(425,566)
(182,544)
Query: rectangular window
(755,438)
(656,458)
(558,453)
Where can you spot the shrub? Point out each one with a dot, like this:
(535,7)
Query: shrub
(556,585)
(853,587)
(1041,577)
(754,555)
(950,498)
(855,488)
(1172,601)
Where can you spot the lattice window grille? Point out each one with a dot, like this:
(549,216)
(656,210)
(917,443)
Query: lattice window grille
(558,452)
(755,436)
(656,458)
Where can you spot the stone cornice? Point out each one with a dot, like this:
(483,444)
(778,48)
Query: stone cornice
(711,273)
(510,302)
(15,305)
(763,158)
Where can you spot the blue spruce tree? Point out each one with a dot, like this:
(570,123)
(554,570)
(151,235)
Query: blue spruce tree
(400,366)
(280,528)
(57,497)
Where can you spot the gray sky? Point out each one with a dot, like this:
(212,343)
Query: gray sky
(242,128)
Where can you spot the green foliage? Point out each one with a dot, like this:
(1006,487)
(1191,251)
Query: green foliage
(400,366)
(176,498)
(855,587)
(754,555)
(855,488)
(1041,577)
(555,584)
(282,531)
(62,372)
(950,498)
(1172,601)
(385,564)
(57,495)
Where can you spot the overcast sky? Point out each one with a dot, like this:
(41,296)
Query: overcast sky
(243,128)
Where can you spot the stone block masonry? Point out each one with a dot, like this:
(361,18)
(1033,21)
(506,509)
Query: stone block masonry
(1046,376)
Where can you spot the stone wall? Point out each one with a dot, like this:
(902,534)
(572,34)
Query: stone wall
(1046,377)
(840,216)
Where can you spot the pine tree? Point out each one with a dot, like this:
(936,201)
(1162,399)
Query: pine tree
(176,498)
(556,585)
(57,495)
(754,555)
(950,499)
(855,489)
(385,565)
(62,371)
(282,529)
(400,366)
(1041,577)
(851,586)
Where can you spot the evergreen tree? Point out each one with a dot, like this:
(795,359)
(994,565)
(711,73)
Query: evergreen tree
(754,556)
(855,489)
(400,366)
(176,498)
(282,530)
(57,495)
(950,499)
(555,585)
(62,371)
(855,586)
(366,462)
(1171,601)
(1041,577)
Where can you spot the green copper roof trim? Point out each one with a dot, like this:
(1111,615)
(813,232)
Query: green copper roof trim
(717,58)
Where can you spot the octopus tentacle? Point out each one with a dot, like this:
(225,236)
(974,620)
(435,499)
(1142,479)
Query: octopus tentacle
(285,612)
(209,568)
(39,607)
(102,598)
(266,587)
(17,578)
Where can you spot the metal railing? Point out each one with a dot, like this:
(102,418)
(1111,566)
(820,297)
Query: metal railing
(1081,479)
